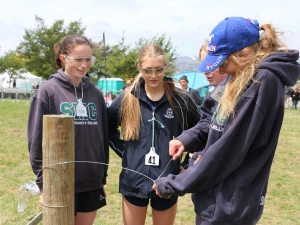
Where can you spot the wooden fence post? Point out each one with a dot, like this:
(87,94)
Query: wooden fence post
(58,180)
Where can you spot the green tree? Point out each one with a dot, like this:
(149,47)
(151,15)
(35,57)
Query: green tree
(38,43)
(120,61)
(121,58)
(13,65)
(166,45)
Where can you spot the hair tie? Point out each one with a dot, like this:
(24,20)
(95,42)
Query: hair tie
(261,33)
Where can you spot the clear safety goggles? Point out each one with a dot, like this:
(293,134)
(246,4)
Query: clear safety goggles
(80,61)
(157,71)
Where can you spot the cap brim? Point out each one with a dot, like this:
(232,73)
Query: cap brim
(211,62)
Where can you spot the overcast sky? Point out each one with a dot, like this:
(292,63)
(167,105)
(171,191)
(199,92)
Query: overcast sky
(186,22)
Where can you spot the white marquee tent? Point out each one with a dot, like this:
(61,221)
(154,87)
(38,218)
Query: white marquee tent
(27,78)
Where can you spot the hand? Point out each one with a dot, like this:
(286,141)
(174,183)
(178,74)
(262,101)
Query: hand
(181,170)
(41,200)
(176,149)
(155,189)
(199,157)
(191,155)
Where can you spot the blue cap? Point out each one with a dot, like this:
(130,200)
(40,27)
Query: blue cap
(230,35)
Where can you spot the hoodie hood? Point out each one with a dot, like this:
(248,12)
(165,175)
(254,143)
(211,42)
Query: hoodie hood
(66,82)
(284,64)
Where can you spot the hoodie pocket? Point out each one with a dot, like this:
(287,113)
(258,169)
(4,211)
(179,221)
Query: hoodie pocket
(204,203)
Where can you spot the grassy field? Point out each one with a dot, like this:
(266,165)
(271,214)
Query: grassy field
(282,201)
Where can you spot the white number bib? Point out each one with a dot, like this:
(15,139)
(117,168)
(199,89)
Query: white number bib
(80,109)
(152,159)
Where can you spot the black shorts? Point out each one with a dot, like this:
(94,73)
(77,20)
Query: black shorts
(158,204)
(89,201)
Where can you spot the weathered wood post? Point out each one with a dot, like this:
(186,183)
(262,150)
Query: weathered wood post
(58,180)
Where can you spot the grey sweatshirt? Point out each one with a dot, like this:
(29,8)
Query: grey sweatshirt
(229,182)
(57,96)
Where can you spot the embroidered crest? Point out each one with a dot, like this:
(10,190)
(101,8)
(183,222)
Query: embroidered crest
(169,113)
(262,200)
(210,37)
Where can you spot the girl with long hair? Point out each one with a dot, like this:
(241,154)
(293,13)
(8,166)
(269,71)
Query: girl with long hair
(151,112)
(229,177)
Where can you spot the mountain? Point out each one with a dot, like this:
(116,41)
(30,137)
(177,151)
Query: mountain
(186,64)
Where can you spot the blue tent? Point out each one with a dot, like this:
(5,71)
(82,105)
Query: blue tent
(197,81)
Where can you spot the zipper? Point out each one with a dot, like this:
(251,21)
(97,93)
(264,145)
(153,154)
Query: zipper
(149,166)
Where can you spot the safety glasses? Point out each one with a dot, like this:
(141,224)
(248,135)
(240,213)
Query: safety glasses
(224,63)
(157,71)
(80,61)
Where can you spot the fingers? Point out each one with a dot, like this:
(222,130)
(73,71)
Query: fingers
(191,155)
(199,157)
(156,191)
(181,170)
(179,152)
(154,187)
(176,148)
(41,200)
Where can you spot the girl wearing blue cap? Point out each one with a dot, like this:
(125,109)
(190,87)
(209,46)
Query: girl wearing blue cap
(151,112)
(229,182)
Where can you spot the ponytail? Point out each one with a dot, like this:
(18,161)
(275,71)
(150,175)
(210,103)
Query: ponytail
(247,61)
(57,52)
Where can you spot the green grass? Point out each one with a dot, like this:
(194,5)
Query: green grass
(282,201)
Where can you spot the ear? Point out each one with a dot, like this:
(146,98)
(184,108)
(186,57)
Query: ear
(62,58)
(139,68)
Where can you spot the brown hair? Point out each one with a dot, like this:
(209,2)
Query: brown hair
(67,45)
(130,111)
(247,60)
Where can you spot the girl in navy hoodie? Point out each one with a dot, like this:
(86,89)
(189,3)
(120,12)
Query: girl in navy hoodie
(63,94)
(151,112)
(229,177)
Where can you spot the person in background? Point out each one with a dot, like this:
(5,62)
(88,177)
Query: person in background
(214,77)
(194,94)
(229,178)
(127,84)
(295,97)
(288,90)
(151,112)
(65,93)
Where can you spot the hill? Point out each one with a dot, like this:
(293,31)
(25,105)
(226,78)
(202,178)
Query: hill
(186,64)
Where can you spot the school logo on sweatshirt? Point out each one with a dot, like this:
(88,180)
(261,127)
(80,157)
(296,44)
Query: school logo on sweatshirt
(169,113)
(218,122)
(69,109)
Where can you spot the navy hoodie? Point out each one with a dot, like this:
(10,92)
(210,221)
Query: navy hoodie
(229,182)
(57,97)
(133,152)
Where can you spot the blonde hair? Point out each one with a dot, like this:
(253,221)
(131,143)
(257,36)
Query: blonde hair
(296,88)
(247,60)
(204,47)
(130,111)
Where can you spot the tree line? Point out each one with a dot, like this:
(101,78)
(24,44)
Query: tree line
(35,53)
